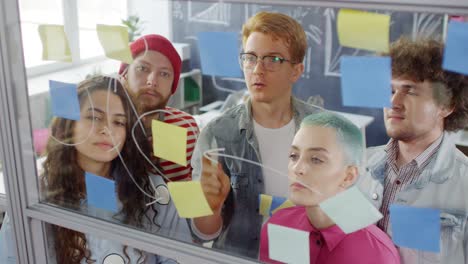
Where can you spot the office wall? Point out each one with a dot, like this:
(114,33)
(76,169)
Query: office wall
(322,75)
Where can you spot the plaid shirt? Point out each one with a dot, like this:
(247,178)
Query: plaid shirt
(398,178)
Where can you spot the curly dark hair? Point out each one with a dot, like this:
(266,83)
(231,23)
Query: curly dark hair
(421,60)
(63,180)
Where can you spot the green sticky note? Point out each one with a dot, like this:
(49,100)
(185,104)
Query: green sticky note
(363,30)
(189,199)
(288,245)
(350,210)
(55,45)
(114,41)
(170,142)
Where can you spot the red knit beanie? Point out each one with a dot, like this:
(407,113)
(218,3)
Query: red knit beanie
(160,44)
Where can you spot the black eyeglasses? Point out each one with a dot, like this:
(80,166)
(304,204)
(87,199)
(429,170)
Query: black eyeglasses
(248,61)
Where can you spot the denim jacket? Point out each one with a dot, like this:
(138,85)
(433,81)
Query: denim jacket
(443,185)
(234,131)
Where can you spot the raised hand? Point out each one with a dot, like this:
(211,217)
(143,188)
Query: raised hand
(215,184)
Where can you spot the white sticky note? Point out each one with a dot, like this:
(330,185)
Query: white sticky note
(350,210)
(288,245)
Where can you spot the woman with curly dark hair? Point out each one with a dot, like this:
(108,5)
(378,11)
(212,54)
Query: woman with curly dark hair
(101,143)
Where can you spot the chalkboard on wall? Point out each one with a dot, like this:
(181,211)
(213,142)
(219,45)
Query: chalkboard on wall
(322,62)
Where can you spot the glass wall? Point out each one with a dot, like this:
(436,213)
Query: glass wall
(101,176)
(103,249)
(7,243)
(2,181)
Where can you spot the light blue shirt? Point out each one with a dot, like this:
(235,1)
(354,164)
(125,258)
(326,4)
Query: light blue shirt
(443,184)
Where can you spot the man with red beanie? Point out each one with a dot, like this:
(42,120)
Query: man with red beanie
(151,80)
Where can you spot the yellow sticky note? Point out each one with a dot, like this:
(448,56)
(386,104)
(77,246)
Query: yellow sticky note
(114,41)
(265,204)
(55,45)
(286,204)
(189,199)
(170,142)
(363,30)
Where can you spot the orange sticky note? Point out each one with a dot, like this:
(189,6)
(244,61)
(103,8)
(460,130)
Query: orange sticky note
(55,45)
(114,41)
(363,30)
(170,142)
(189,199)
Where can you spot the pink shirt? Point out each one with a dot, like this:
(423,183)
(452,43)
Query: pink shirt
(331,245)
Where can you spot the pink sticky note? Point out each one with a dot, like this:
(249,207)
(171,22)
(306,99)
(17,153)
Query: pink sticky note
(40,137)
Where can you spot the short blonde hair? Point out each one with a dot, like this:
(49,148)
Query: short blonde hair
(279,26)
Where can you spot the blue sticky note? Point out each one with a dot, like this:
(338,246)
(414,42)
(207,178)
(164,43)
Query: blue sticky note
(366,81)
(64,100)
(417,228)
(101,192)
(456,51)
(219,53)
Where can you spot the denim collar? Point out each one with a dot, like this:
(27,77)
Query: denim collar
(437,171)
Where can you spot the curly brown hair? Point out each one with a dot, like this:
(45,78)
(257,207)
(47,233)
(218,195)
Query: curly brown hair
(421,60)
(63,180)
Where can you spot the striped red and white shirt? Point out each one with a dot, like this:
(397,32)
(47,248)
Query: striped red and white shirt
(171,170)
(398,178)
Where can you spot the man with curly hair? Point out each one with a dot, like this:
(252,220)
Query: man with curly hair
(420,166)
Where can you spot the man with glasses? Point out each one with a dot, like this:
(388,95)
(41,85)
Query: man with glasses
(260,130)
